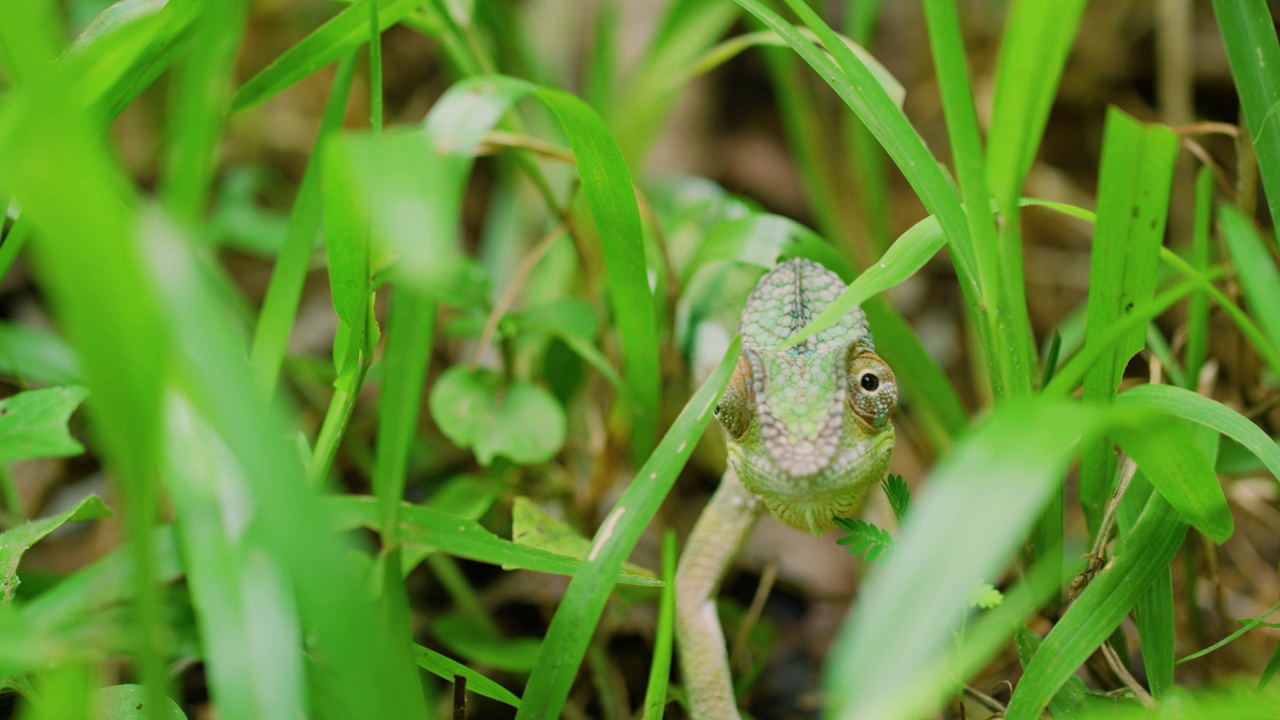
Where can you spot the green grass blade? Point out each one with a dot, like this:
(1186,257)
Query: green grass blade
(448,668)
(1185,404)
(423,527)
(904,258)
(1154,615)
(1095,614)
(984,497)
(857,86)
(1037,38)
(566,642)
(340,35)
(90,266)
(1198,306)
(1133,202)
(1169,456)
(280,306)
(201,84)
(355,656)
(655,694)
(409,332)
(1254,54)
(1255,267)
(643,101)
(240,586)
(14,241)
(124,50)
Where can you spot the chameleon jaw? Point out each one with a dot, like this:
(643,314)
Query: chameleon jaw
(811,502)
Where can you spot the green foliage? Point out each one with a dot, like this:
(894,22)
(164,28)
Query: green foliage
(553,368)
(34,423)
(518,420)
(865,538)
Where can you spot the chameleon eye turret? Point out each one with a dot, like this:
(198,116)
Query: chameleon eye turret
(873,391)
(737,406)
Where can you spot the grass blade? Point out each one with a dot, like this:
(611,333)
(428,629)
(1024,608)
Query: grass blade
(566,642)
(280,306)
(449,669)
(340,35)
(1254,54)
(1206,411)
(1133,204)
(1033,52)
(1095,614)
(1255,267)
(655,694)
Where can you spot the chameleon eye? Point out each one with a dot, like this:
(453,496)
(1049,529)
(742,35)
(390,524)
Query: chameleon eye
(738,403)
(873,391)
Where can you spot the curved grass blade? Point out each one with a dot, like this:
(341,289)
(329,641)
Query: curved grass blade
(1191,406)
(575,621)
(426,528)
(341,34)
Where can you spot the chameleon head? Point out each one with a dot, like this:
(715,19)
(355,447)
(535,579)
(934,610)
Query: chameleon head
(808,425)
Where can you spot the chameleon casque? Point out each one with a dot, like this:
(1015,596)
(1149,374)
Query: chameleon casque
(808,435)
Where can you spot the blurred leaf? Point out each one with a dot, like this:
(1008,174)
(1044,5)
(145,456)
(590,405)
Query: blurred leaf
(983,498)
(447,668)
(579,612)
(986,597)
(128,702)
(476,409)
(345,31)
(1255,267)
(244,597)
(426,527)
(15,541)
(469,641)
(124,50)
(34,423)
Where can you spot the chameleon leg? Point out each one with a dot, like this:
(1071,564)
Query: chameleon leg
(716,538)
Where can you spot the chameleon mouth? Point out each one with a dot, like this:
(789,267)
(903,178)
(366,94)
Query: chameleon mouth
(811,501)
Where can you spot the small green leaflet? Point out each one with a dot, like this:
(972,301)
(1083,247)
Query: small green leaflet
(895,488)
(475,408)
(865,537)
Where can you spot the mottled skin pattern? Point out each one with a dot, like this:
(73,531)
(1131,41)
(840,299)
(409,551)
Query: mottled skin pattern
(808,434)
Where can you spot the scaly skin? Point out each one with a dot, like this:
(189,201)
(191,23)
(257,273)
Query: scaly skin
(808,434)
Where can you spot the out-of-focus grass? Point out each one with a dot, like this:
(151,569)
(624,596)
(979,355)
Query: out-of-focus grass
(566,345)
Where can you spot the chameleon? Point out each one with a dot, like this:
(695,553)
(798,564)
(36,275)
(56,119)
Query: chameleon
(808,434)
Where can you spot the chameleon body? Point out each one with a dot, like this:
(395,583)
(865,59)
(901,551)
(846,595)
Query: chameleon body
(808,434)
